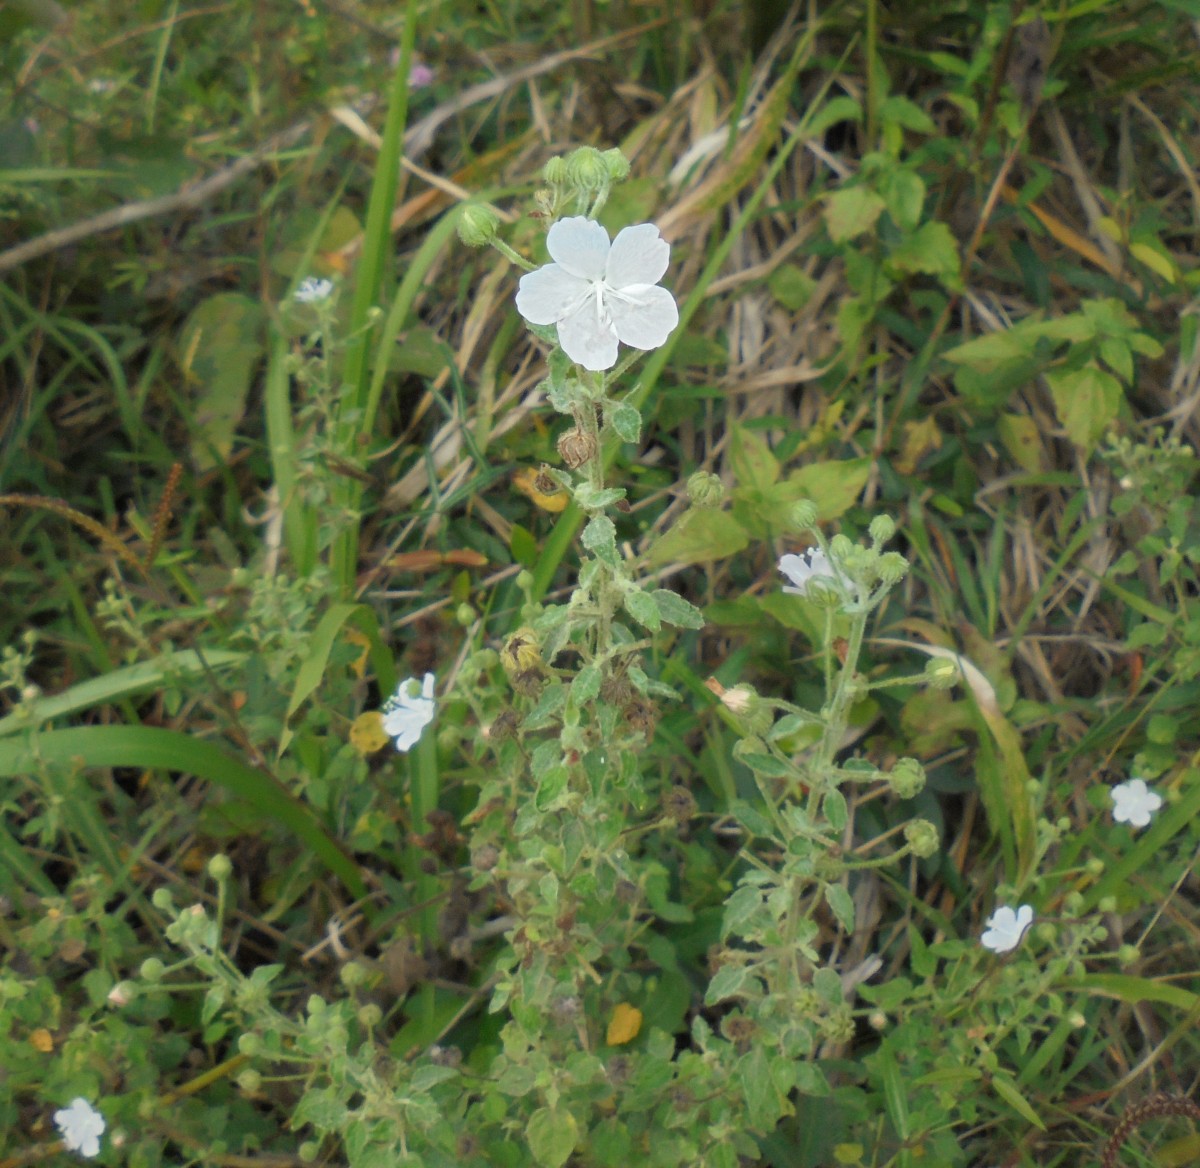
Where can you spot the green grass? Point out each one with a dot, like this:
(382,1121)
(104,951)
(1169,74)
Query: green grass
(903,291)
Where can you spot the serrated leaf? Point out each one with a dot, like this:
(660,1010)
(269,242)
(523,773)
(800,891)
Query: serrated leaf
(932,250)
(851,211)
(640,605)
(754,465)
(674,610)
(627,422)
(591,499)
(585,685)
(1086,401)
(726,983)
(903,191)
(600,538)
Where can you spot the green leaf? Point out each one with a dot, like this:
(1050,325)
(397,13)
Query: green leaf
(833,486)
(220,346)
(903,191)
(627,422)
(1086,401)
(640,605)
(852,211)
(842,904)
(700,536)
(585,685)
(552,1134)
(523,546)
(932,250)
(151,747)
(791,286)
(121,683)
(600,538)
(727,982)
(312,670)
(754,465)
(902,112)
(591,499)
(1008,1091)
(676,611)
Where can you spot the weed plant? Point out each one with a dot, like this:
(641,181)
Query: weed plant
(599,583)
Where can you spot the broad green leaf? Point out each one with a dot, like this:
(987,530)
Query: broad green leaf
(903,112)
(727,982)
(627,422)
(851,211)
(903,191)
(699,536)
(220,346)
(842,904)
(552,1134)
(600,538)
(833,486)
(1086,401)
(1022,439)
(676,611)
(933,251)
(791,286)
(585,685)
(754,465)
(640,605)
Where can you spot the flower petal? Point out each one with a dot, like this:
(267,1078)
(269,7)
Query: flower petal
(589,338)
(644,315)
(580,246)
(639,256)
(545,296)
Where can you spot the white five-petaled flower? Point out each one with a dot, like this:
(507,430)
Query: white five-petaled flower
(1005,928)
(599,293)
(803,569)
(81,1126)
(312,289)
(1134,803)
(407,712)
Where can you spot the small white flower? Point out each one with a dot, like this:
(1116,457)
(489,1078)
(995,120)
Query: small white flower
(1005,928)
(802,570)
(81,1126)
(407,713)
(1134,803)
(312,290)
(599,293)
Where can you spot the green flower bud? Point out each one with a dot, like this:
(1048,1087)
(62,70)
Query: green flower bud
(1127,955)
(250,1045)
(250,1080)
(1107,904)
(369,1016)
(555,171)
(525,580)
(882,528)
(1073,904)
(352,975)
(1094,867)
(162,900)
(1045,931)
(842,549)
(586,169)
(617,164)
(220,867)
(803,515)
(922,837)
(152,969)
(907,778)
(465,615)
(477,225)
(942,673)
(705,489)
(892,567)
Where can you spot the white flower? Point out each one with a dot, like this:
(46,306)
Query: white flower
(407,713)
(312,290)
(1134,802)
(802,570)
(1005,928)
(599,293)
(81,1126)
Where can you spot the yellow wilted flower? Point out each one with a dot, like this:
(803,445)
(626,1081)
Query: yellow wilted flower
(367,734)
(624,1025)
(533,483)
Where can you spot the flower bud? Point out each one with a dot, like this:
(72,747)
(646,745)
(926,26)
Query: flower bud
(616,163)
(250,1080)
(803,515)
(220,868)
(1127,955)
(352,974)
(465,615)
(152,969)
(882,528)
(1073,903)
(555,171)
(941,673)
(907,778)
(250,1045)
(586,169)
(922,837)
(1107,904)
(892,567)
(705,489)
(162,900)
(477,225)
(369,1016)
(521,652)
(1094,867)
